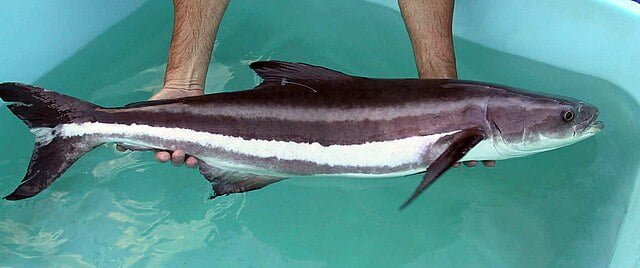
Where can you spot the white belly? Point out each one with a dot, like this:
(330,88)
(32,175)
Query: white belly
(485,150)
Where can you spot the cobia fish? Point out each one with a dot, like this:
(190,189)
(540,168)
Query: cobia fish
(305,120)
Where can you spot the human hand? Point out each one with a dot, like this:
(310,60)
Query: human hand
(473,163)
(177,157)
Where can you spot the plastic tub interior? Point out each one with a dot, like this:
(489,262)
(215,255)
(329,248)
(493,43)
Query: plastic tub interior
(597,38)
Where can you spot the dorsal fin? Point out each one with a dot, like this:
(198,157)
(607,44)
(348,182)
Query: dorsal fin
(281,73)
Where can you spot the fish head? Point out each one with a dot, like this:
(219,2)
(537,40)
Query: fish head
(525,123)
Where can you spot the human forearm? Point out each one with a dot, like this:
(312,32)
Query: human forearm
(429,23)
(194,32)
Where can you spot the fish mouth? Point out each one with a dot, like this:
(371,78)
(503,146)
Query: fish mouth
(594,127)
(598,125)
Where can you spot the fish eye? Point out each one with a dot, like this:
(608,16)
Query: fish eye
(568,115)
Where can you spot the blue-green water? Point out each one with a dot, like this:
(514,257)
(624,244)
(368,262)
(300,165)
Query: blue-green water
(561,208)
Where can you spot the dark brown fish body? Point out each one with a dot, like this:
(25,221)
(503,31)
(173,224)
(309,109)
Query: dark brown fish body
(305,120)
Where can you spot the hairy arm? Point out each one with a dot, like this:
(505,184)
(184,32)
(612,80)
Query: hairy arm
(195,25)
(429,23)
(194,31)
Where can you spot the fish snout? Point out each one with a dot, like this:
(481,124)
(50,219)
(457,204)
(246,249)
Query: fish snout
(590,114)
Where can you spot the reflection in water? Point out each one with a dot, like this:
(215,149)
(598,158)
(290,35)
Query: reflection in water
(151,233)
(34,243)
(111,168)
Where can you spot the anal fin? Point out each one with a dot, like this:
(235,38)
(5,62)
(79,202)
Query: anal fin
(226,182)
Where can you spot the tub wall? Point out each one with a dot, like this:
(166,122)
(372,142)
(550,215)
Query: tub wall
(39,35)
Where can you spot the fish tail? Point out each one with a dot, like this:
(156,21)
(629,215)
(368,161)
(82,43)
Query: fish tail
(42,111)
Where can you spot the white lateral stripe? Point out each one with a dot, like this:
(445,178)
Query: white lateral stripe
(44,135)
(384,153)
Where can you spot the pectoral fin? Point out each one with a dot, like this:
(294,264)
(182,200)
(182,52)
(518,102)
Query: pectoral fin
(461,143)
(226,182)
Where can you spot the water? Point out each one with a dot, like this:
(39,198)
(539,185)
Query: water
(561,208)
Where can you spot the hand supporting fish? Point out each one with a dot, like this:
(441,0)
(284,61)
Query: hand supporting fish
(173,91)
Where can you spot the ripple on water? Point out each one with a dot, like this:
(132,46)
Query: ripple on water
(150,235)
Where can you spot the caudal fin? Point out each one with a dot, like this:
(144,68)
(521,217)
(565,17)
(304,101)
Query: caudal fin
(39,107)
(43,111)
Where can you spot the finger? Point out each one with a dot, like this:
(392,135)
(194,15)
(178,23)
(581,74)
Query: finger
(120,148)
(191,162)
(163,156)
(177,157)
(489,163)
(472,163)
(457,164)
